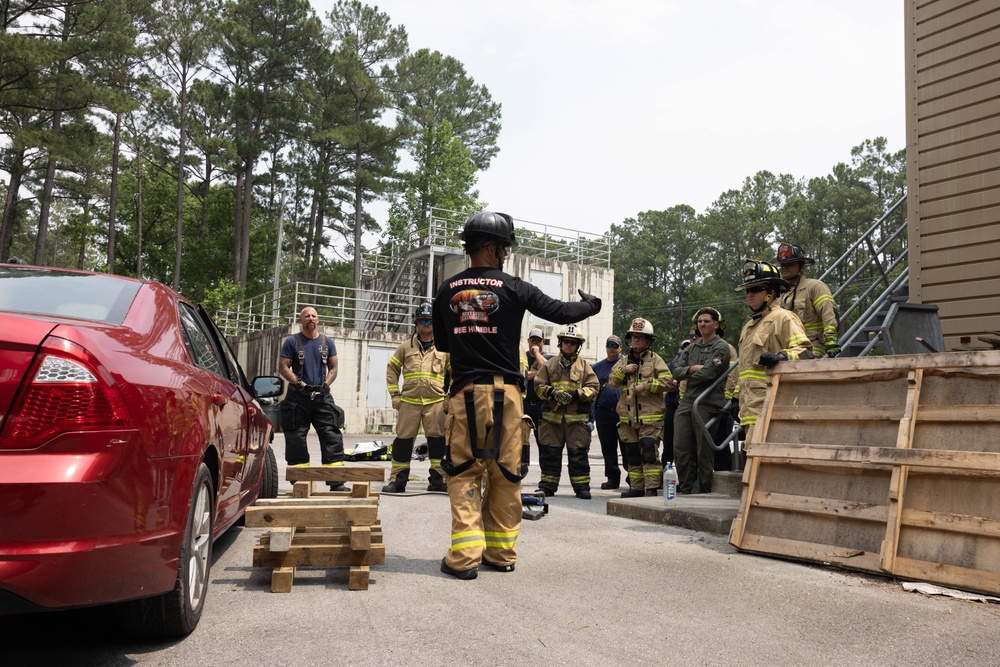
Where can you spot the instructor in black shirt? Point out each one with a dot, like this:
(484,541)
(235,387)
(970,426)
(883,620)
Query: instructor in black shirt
(477,319)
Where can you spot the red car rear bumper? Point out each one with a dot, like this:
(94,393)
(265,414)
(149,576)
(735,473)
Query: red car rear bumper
(80,528)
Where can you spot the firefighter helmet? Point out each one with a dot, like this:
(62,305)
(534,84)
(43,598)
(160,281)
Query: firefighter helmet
(424,311)
(488,227)
(756,272)
(571,332)
(789,254)
(640,326)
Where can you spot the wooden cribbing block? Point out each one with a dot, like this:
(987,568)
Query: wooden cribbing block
(314,515)
(281,538)
(314,501)
(335,474)
(361,490)
(312,537)
(330,555)
(281,579)
(358,579)
(361,537)
(301,490)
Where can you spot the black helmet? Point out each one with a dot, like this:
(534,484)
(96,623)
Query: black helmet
(488,227)
(789,254)
(424,310)
(756,272)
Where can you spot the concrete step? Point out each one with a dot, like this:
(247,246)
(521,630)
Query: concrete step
(706,512)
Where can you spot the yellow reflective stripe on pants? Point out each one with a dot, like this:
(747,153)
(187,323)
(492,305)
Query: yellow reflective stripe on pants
(501,540)
(473,538)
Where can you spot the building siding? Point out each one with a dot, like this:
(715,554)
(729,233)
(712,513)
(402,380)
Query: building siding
(953,163)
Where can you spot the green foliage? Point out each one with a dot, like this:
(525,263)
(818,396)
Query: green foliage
(670,263)
(223,295)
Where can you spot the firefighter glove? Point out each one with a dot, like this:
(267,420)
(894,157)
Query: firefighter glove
(562,397)
(734,409)
(591,299)
(832,349)
(769,359)
(395,402)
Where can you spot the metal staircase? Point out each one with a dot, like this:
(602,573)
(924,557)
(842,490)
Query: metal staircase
(879,277)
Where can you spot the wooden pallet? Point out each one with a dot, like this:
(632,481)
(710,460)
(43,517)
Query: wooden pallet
(889,465)
(312,527)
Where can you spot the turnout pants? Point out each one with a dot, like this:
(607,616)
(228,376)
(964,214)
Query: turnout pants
(408,422)
(485,503)
(299,411)
(695,457)
(576,437)
(644,468)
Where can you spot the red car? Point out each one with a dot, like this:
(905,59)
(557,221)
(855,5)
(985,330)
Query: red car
(129,441)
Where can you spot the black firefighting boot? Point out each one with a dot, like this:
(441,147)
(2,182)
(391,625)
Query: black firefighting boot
(435,450)
(436,482)
(402,452)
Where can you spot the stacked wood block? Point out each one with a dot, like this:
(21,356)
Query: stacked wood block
(313,527)
(889,465)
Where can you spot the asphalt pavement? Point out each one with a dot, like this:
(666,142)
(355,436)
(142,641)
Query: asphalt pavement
(589,589)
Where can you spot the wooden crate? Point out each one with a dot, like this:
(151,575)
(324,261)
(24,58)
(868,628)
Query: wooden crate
(888,465)
(315,528)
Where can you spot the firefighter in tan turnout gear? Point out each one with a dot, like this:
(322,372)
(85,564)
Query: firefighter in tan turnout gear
(421,401)
(810,299)
(477,319)
(568,386)
(770,336)
(643,377)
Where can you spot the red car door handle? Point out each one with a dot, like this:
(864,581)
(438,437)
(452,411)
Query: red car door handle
(219,399)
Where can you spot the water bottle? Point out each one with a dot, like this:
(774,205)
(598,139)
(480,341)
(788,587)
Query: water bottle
(669,483)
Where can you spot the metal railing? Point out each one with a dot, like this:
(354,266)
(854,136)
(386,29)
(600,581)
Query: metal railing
(443,226)
(342,307)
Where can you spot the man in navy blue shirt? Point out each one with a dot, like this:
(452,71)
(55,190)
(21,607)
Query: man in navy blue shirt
(606,414)
(308,362)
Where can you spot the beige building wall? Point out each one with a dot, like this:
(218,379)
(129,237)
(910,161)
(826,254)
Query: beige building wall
(953,163)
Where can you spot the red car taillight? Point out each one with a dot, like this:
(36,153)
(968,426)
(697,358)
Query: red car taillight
(67,392)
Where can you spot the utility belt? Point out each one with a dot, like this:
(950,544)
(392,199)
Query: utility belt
(487,453)
(486,379)
(310,391)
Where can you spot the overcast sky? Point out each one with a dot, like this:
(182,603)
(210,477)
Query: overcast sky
(610,109)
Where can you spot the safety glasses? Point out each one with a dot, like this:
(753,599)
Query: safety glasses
(756,289)
(425,320)
(613,346)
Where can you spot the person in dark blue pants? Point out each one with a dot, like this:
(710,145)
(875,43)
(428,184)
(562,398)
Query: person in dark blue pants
(606,414)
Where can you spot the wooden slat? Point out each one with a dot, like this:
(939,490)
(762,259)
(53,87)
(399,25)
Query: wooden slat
(821,553)
(306,537)
(318,515)
(897,483)
(925,458)
(956,523)
(961,413)
(343,473)
(820,506)
(312,501)
(950,575)
(318,556)
(828,413)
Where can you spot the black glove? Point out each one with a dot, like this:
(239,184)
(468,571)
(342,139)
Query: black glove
(734,410)
(769,359)
(591,299)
